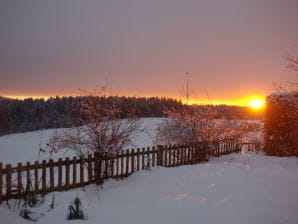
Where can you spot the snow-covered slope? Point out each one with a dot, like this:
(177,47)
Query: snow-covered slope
(25,147)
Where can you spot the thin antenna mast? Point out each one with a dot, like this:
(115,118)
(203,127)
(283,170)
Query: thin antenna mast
(187,90)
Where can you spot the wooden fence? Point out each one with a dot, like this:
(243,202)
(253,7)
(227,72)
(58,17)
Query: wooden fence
(64,174)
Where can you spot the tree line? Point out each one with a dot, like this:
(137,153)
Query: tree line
(62,112)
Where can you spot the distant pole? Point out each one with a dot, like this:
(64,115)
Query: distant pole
(187,90)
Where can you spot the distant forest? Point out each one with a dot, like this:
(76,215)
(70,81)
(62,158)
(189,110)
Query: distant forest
(35,114)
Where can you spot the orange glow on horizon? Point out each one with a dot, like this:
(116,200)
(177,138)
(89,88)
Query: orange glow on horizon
(254,101)
(23,97)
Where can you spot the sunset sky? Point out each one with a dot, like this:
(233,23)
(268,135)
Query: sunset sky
(232,48)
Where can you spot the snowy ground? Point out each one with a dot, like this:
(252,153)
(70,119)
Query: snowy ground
(24,147)
(242,188)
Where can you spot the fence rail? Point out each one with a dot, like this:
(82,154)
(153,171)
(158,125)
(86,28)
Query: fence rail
(48,176)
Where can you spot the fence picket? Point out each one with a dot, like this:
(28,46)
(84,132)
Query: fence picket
(1,183)
(127,163)
(132,161)
(122,165)
(138,159)
(27,168)
(117,165)
(74,172)
(60,174)
(113,167)
(82,177)
(36,181)
(51,162)
(153,157)
(89,167)
(19,174)
(44,176)
(171,155)
(66,173)
(106,169)
(8,181)
(148,158)
(165,156)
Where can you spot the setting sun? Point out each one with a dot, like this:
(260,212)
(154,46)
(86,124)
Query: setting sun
(256,104)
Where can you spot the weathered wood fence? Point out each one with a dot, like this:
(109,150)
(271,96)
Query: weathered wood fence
(48,176)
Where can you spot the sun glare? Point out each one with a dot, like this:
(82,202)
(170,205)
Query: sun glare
(256,104)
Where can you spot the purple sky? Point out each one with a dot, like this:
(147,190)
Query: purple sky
(232,48)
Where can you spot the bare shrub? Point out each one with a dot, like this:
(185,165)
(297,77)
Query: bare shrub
(102,132)
(191,124)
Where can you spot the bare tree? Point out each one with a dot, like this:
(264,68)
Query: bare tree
(102,132)
(292,61)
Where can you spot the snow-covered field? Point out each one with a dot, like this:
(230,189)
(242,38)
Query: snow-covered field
(241,188)
(25,147)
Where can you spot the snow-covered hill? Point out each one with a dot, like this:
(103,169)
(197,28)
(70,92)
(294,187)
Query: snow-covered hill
(26,146)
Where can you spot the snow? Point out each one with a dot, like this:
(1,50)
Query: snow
(241,188)
(25,147)
(284,96)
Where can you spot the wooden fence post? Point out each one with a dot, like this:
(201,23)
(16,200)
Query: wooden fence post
(51,174)
(165,156)
(159,155)
(117,165)
(28,182)
(127,162)
(66,173)
(1,183)
(74,171)
(122,165)
(105,173)
(89,167)
(97,168)
(132,161)
(8,181)
(60,174)
(148,158)
(143,159)
(153,157)
(19,173)
(36,184)
(44,177)
(82,162)
(138,159)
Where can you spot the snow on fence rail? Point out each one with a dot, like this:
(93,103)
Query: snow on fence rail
(48,176)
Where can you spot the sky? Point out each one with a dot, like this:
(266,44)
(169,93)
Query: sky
(232,48)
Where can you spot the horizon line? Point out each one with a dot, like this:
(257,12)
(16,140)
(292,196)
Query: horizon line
(243,101)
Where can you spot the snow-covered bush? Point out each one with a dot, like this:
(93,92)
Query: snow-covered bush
(281,124)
